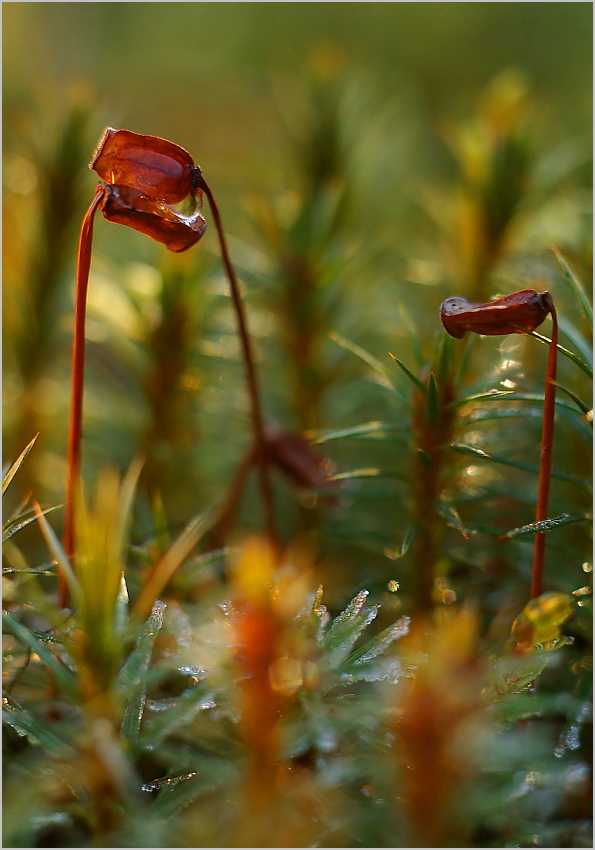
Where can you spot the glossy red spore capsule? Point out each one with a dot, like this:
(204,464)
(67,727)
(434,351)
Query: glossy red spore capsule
(154,166)
(124,205)
(516,313)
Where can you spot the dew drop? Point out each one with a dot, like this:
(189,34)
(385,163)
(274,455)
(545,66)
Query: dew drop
(572,738)
(229,609)
(194,671)
(171,782)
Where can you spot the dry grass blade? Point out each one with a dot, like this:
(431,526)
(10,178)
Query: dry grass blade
(17,465)
(171,561)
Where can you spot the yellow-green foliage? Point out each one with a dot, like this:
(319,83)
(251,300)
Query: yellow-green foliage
(100,597)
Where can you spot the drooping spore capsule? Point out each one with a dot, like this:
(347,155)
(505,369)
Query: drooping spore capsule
(151,165)
(516,313)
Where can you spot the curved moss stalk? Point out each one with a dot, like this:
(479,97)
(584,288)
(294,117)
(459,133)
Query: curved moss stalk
(253,392)
(75,427)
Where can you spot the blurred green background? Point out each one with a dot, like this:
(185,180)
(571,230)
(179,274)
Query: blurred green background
(342,142)
(202,73)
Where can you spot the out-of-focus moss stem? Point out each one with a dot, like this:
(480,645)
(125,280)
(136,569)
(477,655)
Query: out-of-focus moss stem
(433,424)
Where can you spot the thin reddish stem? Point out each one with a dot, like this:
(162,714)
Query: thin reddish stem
(75,428)
(256,409)
(545,463)
(228,510)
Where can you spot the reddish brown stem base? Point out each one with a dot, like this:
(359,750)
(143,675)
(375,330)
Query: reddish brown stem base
(229,508)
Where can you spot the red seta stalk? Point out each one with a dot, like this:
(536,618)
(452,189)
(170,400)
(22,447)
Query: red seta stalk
(520,312)
(143,176)
(545,463)
(256,411)
(73,457)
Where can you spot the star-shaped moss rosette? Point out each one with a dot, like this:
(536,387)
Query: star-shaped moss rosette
(520,312)
(154,187)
